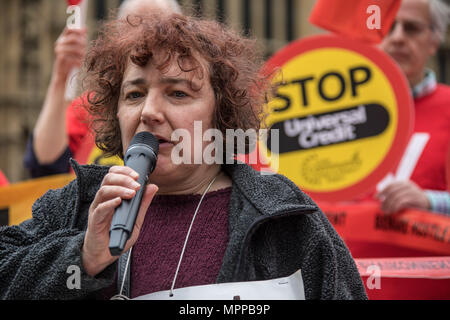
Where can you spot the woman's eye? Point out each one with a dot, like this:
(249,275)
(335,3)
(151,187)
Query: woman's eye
(133,95)
(179,94)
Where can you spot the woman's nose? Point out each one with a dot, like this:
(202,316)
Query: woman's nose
(152,110)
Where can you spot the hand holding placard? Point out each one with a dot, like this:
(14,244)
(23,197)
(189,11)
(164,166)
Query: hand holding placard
(77,11)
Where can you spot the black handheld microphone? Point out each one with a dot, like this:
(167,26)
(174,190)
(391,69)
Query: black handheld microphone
(141,156)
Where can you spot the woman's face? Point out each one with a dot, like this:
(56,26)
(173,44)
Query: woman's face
(161,102)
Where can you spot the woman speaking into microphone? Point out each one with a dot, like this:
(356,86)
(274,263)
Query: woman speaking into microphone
(200,222)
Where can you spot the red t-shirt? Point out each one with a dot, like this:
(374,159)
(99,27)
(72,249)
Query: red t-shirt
(432,116)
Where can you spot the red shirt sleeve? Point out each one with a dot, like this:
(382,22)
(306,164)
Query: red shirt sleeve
(77,122)
(3,180)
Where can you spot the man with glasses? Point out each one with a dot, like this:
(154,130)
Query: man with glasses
(419,27)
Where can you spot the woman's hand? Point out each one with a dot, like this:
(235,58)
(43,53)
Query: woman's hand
(120,183)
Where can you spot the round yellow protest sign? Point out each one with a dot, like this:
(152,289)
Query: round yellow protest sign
(343,115)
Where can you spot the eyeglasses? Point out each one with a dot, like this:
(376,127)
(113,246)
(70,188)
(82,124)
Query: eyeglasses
(410,28)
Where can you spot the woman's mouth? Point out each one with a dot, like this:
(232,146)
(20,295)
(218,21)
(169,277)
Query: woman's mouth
(163,142)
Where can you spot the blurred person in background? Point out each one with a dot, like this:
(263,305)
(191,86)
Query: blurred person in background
(419,28)
(62,126)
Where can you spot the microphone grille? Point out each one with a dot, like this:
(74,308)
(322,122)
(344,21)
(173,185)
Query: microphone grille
(146,138)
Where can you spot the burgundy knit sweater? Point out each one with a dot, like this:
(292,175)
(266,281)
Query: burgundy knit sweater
(156,253)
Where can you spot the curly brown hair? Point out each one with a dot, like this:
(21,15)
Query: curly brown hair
(234,63)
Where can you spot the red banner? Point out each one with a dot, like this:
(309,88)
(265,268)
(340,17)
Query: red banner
(370,233)
(406,278)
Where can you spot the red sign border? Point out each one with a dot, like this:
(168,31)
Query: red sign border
(401,90)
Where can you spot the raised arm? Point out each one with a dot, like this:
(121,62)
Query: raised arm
(50,138)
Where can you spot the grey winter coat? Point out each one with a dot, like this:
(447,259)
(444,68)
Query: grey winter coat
(275,229)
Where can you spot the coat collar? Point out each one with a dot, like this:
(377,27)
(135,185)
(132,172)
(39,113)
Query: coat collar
(89,179)
(269,194)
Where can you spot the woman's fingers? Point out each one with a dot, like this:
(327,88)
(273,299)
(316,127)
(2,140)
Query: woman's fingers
(119,182)
(104,211)
(124,170)
(106,193)
(115,179)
